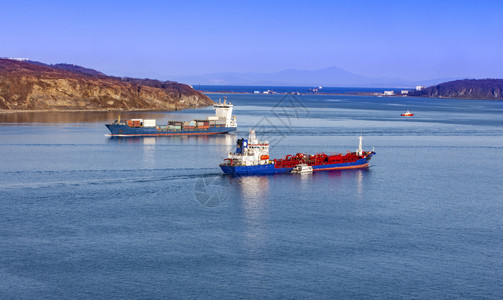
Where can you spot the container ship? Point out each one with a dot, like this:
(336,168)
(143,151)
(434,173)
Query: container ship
(222,122)
(252,158)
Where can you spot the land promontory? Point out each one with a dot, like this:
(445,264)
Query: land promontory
(491,89)
(26,85)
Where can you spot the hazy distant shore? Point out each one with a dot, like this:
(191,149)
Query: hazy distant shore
(302,94)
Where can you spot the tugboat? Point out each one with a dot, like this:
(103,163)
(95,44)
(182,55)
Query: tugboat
(407,114)
(252,158)
(302,169)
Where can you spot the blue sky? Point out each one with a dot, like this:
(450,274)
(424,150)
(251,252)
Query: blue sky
(406,39)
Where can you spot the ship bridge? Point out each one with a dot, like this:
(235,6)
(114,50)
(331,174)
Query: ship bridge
(223,112)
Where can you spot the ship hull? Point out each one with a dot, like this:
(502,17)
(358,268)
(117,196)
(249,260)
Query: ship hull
(359,164)
(253,170)
(271,169)
(124,130)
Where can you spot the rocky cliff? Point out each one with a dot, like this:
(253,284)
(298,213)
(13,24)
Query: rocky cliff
(468,89)
(36,86)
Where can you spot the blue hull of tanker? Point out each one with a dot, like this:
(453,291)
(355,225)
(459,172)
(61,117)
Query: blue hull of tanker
(253,170)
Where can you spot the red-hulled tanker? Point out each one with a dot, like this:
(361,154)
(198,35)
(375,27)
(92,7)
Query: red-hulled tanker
(252,158)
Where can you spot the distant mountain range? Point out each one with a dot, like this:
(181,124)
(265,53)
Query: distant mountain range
(333,76)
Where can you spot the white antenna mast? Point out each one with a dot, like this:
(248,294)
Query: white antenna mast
(360,151)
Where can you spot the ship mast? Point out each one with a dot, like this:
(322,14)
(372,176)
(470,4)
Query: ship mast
(360,151)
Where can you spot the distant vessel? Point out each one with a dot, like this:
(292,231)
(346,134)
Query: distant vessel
(222,122)
(315,90)
(407,114)
(252,158)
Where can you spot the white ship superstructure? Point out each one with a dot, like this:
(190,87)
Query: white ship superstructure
(250,152)
(223,112)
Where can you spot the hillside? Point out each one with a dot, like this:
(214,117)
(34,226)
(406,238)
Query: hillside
(37,86)
(467,88)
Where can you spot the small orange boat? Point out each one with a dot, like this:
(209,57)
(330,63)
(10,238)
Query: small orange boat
(407,114)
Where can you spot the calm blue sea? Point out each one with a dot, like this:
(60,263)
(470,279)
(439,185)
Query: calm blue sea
(87,216)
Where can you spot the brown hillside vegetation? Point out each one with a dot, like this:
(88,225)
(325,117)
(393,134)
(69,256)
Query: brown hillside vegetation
(36,86)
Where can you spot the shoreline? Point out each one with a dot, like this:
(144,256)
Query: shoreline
(7,111)
(293,94)
(376,95)
(369,94)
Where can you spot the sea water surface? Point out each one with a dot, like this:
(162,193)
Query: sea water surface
(83,215)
